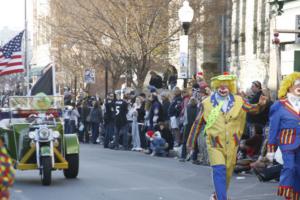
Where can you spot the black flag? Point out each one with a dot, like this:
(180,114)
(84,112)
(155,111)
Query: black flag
(45,83)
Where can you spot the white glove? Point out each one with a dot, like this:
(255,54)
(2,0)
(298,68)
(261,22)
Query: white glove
(270,156)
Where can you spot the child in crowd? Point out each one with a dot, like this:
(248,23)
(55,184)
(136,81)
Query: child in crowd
(158,145)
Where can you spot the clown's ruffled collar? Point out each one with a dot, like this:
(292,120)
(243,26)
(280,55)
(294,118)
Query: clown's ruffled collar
(228,101)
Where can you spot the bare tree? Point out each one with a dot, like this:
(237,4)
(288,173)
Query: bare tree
(139,30)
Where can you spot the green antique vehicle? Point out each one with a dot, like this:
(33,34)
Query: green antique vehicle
(32,128)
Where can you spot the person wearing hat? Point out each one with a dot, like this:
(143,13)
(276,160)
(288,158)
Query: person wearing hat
(258,118)
(222,120)
(199,77)
(7,171)
(285,134)
(158,145)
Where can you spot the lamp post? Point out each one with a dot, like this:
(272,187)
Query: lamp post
(276,42)
(276,10)
(106,41)
(185,14)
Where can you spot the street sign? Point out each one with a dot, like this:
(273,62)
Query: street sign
(89,76)
(297,38)
(183,57)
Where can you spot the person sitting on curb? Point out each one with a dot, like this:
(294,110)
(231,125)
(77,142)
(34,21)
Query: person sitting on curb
(158,145)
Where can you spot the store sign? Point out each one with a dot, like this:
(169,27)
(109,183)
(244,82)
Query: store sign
(89,76)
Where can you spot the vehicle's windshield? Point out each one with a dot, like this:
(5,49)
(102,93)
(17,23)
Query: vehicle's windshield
(38,103)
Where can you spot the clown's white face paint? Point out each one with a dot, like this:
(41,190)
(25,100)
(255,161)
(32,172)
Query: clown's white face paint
(223,90)
(295,89)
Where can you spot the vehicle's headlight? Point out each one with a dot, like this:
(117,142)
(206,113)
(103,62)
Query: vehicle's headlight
(44,133)
(31,135)
(56,134)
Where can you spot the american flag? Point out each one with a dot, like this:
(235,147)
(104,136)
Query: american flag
(11,56)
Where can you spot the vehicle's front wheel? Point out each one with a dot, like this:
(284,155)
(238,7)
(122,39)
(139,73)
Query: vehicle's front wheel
(46,168)
(73,161)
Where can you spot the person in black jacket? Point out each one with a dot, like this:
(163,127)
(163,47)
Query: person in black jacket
(253,119)
(165,106)
(84,115)
(189,118)
(167,135)
(96,118)
(121,110)
(156,80)
(172,81)
(174,113)
(156,111)
(141,121)
(109,119)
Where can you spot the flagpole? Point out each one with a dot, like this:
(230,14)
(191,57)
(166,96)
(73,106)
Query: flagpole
(26,50)
(53,79)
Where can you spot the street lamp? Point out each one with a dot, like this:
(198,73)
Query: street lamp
(106,41)
(185,14)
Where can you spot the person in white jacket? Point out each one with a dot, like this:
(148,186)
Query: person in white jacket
(74,115)
(136,142)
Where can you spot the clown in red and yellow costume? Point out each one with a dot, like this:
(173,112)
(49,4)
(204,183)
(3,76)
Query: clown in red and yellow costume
(222,119)
(285,134)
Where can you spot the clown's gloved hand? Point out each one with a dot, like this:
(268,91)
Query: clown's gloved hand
(270,156)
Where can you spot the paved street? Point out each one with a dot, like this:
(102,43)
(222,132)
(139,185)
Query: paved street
(122,175)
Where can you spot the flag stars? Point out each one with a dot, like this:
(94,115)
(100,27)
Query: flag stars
(12,46)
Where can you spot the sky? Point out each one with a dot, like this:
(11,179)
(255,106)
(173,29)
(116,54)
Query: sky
(12,14)
(12,18)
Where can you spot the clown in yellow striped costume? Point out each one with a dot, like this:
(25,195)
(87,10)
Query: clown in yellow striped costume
(222,119)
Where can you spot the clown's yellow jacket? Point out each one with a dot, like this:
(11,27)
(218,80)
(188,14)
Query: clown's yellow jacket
(225,132)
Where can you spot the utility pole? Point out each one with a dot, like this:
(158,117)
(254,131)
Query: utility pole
(26,50)
(223,47)
(106,79)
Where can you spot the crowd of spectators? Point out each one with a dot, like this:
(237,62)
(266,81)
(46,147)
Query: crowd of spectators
(158,122)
